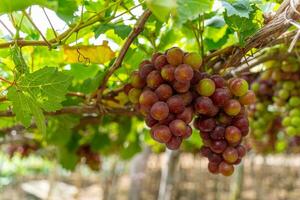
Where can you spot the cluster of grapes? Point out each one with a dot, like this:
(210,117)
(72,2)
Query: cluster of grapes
(222,120)
(89,157)
(162,91)
(24,150)
(169,90)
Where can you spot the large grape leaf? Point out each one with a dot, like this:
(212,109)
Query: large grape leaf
(24,106)
(7,6)
(241,8)
(161,8)
(47,86)
(44,89)
(189,10)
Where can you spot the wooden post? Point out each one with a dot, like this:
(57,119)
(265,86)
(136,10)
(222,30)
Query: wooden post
(236,186)
(168,174)
(137,173)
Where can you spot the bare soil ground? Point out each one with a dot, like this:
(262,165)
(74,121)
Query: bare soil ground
(265,178)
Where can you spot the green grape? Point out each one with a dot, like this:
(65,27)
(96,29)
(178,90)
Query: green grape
(294,112)
(286,121)
(294,101)
(283,94)
(288,85)
(291,131)
(206,87)
(255,87)
(295,121)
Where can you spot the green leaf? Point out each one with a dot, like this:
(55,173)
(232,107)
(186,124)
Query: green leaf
(20,106)
(67,159)
(66,9)
(91,84)
(189,10)
(121,30)
(161,8)
(59,130)
(7,6)
(47,86)
(244,26)
(241,8)
(23,106)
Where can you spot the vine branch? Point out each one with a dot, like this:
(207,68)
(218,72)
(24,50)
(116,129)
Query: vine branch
(134,33)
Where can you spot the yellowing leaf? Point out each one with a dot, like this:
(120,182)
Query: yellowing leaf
(99,54)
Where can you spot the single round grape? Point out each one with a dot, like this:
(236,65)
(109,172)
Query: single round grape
(232,107)
(187,97)
(294,101)
(206,87)
(164,92)
(218,146)
(205,151)
(218,80)
(154,79)
(176,104)
(155,55)
(175,56)
(193,59)
(160,61)
(213,111)
(183,73)
(241,151)
(238,87)
(232,134)
(147,98)
(127,88)
(206,125)
(174,143)
(186,115)
(230,155)
(178,127)
(220,96)
(144,110)
(181,87)
(150,122)
(283,94)
(205,135)
(159,110)
(188,132)
(145,70)
(226,169)
(215,158)
(144,62)
(162,133)
(213,167)
(248,98)
(134,95)
(241,123)
(167,73)
(224,119)
(168,119)
(137,81)
(218,133)
(203,105)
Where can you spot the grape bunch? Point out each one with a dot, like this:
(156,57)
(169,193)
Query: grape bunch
(23,149)
(170,90)
(162,92)
(90,158)
(222,120)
